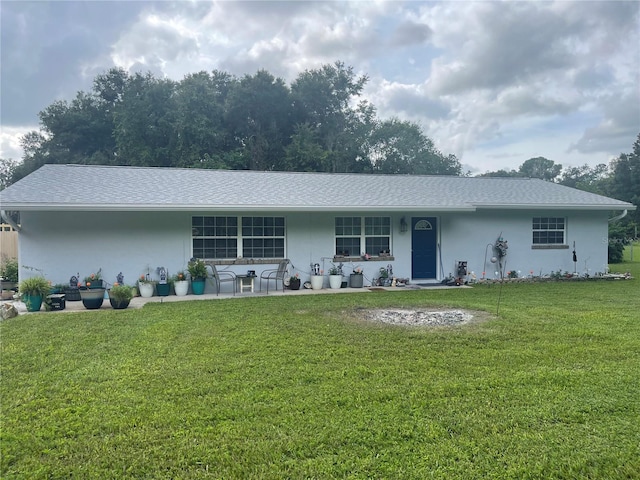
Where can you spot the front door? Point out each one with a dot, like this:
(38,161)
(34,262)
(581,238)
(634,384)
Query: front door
(424,247)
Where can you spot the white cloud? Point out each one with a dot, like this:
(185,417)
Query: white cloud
(10,141)
(493,82)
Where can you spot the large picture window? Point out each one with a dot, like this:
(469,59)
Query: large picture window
(548,230)
(355,235)
(221,237)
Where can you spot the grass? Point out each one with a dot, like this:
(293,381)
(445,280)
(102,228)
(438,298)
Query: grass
(298,387)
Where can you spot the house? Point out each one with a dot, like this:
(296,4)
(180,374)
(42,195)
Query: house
(79,218)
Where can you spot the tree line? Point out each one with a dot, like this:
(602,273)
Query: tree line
(216,120)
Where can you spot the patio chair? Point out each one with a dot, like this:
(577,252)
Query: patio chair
(217,278)
(276,274)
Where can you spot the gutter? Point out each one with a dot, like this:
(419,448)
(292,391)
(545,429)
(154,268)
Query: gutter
(618,217)
(9,220)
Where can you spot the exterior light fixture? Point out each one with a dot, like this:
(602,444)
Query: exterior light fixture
(403,225)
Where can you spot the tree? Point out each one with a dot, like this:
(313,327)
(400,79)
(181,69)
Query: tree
(7,168)
(585,178)
(501,173)
(200,126)
(625,181)
(145,122)
(540,167)
(400,147)
(304,153)
(322,99)
(215,120)
(259,115)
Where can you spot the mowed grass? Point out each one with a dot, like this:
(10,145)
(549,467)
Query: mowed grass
(300,387)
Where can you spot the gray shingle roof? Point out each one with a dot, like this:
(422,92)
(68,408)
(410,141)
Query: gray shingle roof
(90,187)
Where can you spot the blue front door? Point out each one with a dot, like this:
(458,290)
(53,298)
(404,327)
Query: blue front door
(424,247)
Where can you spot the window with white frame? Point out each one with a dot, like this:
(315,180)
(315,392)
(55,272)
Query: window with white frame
(232,237)
(548,230)
(355,235)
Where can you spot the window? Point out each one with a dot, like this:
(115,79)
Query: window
(263,237)
(220,237)
(352,239)
(548,230)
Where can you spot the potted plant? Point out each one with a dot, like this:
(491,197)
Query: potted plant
(163,286)
(9,278)
(33,291)
(120,296)
(94,280)
(317,280)
(145,286)
(180,284)
(384,276)
(92,292)
(198,272)
(335,276)
(356,278)
(294,282)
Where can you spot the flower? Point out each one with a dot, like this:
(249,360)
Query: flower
(357,271)
(144,279)
(294,278)
(94,277)
(179,277)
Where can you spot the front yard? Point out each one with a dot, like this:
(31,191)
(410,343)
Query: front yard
(301,387)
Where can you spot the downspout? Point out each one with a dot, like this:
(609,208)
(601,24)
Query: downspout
(618,217)
(7,218)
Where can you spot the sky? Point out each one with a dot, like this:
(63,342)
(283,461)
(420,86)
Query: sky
(494,83)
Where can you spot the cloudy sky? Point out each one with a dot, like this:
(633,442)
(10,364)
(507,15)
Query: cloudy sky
(494,83)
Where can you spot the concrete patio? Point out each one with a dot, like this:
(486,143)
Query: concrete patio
(138,302)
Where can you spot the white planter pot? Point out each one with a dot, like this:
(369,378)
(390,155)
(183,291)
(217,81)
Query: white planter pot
(316,282)
(335,281)
(181,287)
(146,290)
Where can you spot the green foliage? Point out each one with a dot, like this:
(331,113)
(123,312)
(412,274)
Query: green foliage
(621,234)
(7,169)
(215,120)
(121,293)
(9,269)
(625,183)
(303,387)
(34,286)
(197,269)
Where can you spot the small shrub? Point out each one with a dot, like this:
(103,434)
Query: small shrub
(121,293)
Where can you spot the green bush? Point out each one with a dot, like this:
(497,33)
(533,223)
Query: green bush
(121,293)
(35,286)
(9,270)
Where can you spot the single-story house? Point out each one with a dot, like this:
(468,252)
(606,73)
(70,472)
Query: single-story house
(80,218)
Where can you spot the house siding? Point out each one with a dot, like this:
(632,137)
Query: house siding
(61,244)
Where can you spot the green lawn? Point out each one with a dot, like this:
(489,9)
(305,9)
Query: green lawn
(298,387)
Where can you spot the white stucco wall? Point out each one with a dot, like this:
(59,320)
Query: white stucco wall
(466,237)
(63,244)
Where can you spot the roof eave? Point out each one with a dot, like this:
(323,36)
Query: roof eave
(555,206)
(52,207)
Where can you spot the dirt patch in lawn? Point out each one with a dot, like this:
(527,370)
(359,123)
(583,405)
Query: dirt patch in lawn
(428,317)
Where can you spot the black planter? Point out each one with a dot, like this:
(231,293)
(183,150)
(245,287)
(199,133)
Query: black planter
(92,298)
(294,284)
(119,304)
